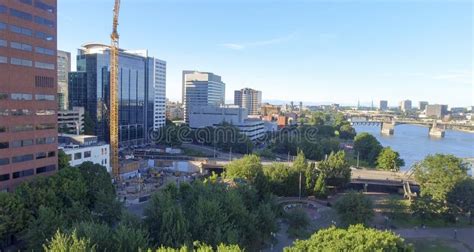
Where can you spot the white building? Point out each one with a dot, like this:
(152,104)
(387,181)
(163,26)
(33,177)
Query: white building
(206,116)
(160,94)
(82,148)
(71,121)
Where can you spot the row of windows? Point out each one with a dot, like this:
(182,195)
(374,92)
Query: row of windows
(28,17)
(26,112)
(27,97)
(28,127)
(44,82)
(27,32)
(27,47)
(27,142)
(40,5)
(27,173)
(29,63)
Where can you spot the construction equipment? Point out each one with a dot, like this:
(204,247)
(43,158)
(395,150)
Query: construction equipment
(113,112)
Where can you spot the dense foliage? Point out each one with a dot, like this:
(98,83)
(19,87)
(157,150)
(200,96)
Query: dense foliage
(389,160)
(441,179)
(355,238)
(38,208)
(368,147)
(213,213)
(354,208)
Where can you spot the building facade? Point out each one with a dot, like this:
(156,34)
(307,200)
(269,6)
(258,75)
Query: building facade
(80,149)
(140,92)
(28,87)
(405,105)
(64,67)
(174,111)
(422,105)
(250,99)
(201,89)
(436,110)
(383,105)
(71,121)
(210,116)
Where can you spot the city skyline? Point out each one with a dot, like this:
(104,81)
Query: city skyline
(327,52)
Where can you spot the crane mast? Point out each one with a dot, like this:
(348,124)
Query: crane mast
(113,103)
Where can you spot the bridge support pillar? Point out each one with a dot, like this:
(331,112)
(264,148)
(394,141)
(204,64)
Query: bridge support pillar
(387,129)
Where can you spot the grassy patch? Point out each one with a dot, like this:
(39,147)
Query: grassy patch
(431,245)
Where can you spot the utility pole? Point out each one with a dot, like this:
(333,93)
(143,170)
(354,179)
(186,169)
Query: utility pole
(300,187)
(230,154)
(358,159)
(288,158)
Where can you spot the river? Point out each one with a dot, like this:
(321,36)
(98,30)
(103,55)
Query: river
(414,144)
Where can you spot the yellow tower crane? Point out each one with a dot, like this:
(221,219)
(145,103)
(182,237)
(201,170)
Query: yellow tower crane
(113,116)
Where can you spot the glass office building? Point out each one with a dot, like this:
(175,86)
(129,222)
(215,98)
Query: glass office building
(89,87)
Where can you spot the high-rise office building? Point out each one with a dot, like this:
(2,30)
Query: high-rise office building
(140,92)
(28,87)
(250,99)
(405,105)
(64,67)
(436,110)
(201,89)
(383,105)
(422,105)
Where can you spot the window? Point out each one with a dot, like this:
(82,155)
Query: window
(3,43)
(21,143)
(4,145)
(43,97)
(21,62)
(51,154)
(21,96)
(3,96)
(44,169)
(4,112)
(43,65)
(44,82)
(21,14)
(45,140)
(3,26)
(45,51)
(22,128)
(20,112)
(44,21)
(4,161)
(3,129)
(25,173)
(45,112)
(29,2)
(40,155)
(44,36)
(3,9)
(21,30)
(21,46)
(43,6)
(87,154)
(4,177)
(45,126)
(22,158)
(3,60)
(77,156)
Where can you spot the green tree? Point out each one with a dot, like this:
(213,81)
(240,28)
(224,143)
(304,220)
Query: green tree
(249,168)
(320,190)
(62,242)
(346,131)
(129,239)
(355,238)
(439,174)
(99,234)
(368,147)
(335,169)
(389,160)
(13,216)
(354,208)
(63,160)
(43,227)
(298,222)
(461,197)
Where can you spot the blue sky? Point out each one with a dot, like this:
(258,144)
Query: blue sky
(301,50)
